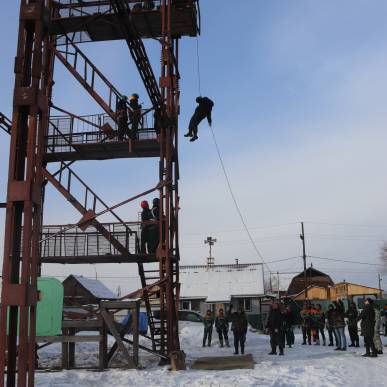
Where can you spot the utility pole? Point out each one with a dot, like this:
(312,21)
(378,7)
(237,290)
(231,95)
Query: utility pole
(210,241)
(302,237)
(380,286)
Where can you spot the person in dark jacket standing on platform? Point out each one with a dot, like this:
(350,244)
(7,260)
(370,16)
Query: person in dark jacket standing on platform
(203,110)
(352,316)
(239,328)
(221,326)
(208,322)
(339,324)
(367,317)
(331,326)
(275,326)
(154,229)
(146,217)
(122,117)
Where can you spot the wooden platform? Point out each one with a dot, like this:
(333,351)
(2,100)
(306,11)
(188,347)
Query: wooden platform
(223,363)
(103,151)
(102,27)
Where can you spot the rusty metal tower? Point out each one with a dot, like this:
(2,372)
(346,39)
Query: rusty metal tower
(52,30)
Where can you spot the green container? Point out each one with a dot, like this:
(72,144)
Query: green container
(50,307)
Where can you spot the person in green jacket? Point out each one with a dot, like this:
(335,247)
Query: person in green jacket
(208,322)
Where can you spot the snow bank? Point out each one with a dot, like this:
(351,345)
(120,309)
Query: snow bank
(301,366)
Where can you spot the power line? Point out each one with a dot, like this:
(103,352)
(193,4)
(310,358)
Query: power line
(349,225)
(240,229)
(234,199)
(347,261)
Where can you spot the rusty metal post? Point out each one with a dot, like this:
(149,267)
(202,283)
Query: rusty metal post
(168,252)
(24,195)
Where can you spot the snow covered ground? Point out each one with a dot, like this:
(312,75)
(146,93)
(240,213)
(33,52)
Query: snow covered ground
(301,366)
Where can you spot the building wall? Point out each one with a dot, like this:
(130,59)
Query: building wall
(201,306)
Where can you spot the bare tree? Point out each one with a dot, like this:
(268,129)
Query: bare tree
(383,256)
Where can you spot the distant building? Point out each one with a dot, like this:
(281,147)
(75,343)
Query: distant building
(342,290)
(79,290)
(314,278)
(219,286)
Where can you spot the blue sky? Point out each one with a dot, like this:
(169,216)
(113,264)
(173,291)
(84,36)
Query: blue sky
(300,93)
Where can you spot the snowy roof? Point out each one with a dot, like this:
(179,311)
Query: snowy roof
(219,283)
(96,288)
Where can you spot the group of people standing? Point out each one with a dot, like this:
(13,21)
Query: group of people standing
(150,236)
(128,112)
(239,325)
(314,322)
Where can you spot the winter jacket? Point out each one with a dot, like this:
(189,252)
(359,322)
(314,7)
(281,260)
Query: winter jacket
(221,323)
(146,215)
(208,322)
(331,323)
(367,317)
(276,321)
(338,315)
(352,315)
(288,319)
(204,109)
(306,317)
(239,322)
(319,319)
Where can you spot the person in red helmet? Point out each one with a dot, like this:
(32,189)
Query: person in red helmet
(146,216)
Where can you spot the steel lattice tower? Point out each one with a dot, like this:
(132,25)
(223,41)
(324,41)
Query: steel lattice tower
(50,31)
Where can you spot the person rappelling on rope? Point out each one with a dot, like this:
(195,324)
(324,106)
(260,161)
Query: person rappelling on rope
(202,111)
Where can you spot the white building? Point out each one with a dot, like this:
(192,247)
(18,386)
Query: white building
(219,286)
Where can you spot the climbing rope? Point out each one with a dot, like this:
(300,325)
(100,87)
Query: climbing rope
(235,200)
(224,168)
(198,66)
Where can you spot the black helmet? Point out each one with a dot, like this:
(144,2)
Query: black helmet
(198,99)
(156,201)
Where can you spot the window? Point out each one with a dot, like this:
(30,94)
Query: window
(186,305)
(195,305)
(245,304)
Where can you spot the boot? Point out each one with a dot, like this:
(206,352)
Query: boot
(242,349)
(351,345)
(281,351)
(221,343)
(188,134)
(324,342)
(194,138)
(227,343)
(330,345)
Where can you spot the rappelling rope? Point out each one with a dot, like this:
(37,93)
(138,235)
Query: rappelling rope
(235,200)
(224,168)
(198,66)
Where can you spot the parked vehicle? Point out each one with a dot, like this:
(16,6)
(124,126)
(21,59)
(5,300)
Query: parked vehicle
(184,315)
